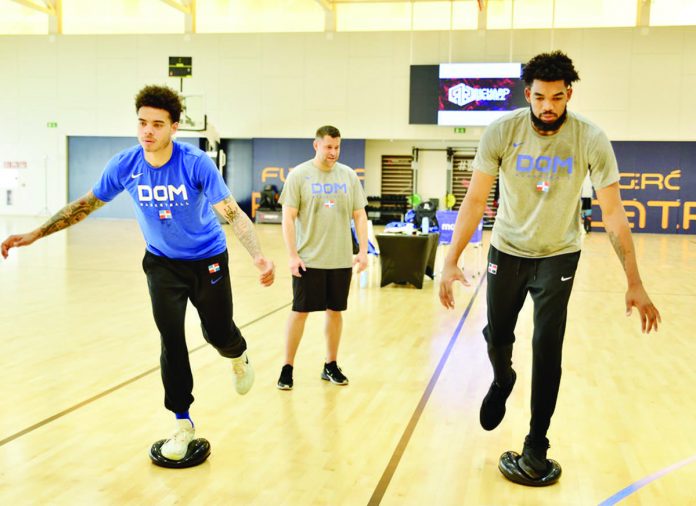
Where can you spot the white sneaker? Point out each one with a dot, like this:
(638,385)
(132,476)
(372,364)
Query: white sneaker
(175,448)
(243,374)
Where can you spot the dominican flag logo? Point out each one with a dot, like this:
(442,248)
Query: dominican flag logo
(212,269)
(543,186)
(492,268)
(329,204)
(165,214)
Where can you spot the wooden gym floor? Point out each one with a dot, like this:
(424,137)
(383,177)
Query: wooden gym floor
(82,398)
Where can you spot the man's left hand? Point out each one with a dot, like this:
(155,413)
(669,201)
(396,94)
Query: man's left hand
(649,315)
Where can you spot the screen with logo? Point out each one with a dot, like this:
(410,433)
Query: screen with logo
(464,94)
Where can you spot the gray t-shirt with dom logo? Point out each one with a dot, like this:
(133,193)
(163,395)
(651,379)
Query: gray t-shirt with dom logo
(540,181)
(325,201)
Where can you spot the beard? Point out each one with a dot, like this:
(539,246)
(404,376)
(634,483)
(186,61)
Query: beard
(548,127)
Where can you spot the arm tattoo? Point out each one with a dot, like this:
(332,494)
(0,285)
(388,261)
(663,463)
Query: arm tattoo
(616,243)
(72,213)
(230,211)
(242,227)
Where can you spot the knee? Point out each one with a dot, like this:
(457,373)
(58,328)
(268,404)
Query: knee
(296,316)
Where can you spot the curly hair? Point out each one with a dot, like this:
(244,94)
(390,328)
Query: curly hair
(160,97)
(555,66)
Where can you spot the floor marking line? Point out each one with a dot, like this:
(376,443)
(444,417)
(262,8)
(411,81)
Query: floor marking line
(622,494)
(389,471)
(108,391)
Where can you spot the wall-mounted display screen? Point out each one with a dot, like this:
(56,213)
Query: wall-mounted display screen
(464,94)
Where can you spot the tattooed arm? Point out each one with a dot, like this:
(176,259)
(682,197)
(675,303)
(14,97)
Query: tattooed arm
(619,232)
(243,228)
(241,225)
(74,212)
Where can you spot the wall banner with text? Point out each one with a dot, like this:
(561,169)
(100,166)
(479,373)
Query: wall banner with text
(658,186)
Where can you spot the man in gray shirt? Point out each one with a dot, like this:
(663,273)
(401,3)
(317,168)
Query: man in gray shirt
(319,198)
(541,156)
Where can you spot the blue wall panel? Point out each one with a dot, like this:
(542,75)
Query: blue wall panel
(658,186)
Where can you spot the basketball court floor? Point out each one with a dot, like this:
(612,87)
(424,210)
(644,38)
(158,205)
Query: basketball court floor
(82,397)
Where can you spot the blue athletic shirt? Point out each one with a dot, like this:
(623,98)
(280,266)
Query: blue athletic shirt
(173,202)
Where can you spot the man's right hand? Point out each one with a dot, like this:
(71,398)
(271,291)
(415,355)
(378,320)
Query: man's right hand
(15,241)
(296,264)
(450,274)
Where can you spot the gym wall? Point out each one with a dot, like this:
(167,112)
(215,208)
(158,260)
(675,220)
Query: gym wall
(285,85)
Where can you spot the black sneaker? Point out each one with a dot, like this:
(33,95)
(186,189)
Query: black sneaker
(333,374)
(493,405)
(533,460)
(285,380)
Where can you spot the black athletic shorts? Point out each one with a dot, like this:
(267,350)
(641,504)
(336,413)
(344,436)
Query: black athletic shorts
(321,289)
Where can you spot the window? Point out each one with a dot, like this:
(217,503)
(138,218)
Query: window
(672,12)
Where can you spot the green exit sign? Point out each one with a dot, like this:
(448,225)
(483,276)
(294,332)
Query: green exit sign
(459,130)
(52,124)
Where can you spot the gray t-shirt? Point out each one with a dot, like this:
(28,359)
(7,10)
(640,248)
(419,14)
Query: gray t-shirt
(325,201)
(540,181)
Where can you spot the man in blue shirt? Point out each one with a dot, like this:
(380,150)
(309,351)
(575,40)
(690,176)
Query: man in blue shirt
(174,188)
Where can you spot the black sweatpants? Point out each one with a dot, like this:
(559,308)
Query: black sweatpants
(549,281)
(206,283)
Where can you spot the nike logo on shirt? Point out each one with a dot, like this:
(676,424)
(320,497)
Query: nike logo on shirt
(135,176)
(566,279)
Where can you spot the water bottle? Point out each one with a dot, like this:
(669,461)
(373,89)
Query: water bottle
(364,278)
(425,225)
